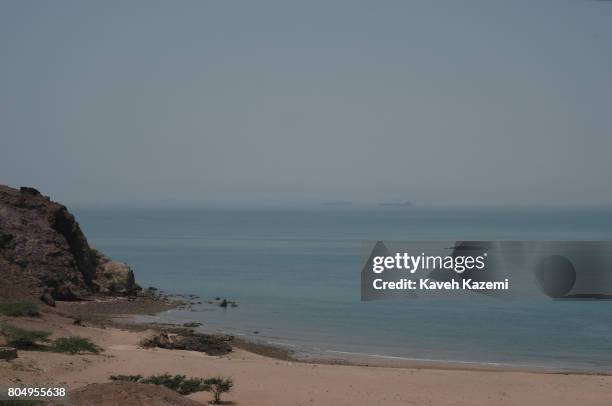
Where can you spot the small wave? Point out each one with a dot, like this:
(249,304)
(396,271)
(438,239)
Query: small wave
(281,344)
(450,361)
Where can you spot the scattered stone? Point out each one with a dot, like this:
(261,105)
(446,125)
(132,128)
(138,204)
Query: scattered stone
(67,293)
(153,293)
(8,353)
(47,299)
(162,340)
(224,303)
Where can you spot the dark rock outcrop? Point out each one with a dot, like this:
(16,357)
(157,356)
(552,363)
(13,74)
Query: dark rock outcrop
(8,353)
(47,299)
(211,344)
(44,253)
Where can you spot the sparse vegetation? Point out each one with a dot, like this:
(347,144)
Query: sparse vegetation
(178,383)
(19,309)
(218,386)
(75,345)
(126,378)
(23,339)
(183,385)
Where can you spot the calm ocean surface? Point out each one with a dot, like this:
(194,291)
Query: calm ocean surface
(295,275)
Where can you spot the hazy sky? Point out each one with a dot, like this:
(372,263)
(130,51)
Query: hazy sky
(181,102)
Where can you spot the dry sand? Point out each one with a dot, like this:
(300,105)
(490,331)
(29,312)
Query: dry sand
(260,380)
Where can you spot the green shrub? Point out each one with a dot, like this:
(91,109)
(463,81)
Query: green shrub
(126,378)
(167,380)
(19,309)
(75,345)
(21,338)
(192,385)
(178,383)
(218,385)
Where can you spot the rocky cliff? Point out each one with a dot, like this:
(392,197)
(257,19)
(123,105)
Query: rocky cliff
(44,253)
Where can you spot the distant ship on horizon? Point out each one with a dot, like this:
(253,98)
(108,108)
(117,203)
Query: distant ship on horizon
(397,204)
(338,203)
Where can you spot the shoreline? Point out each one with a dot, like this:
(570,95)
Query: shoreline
(260,346)
(263,375)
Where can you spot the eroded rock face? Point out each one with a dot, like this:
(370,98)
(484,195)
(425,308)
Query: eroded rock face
(43,251)
(113,277)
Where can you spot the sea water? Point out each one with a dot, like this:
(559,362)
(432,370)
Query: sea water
(295,274)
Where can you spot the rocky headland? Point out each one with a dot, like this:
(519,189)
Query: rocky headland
(44,254)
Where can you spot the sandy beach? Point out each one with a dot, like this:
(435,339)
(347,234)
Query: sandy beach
(261,380)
